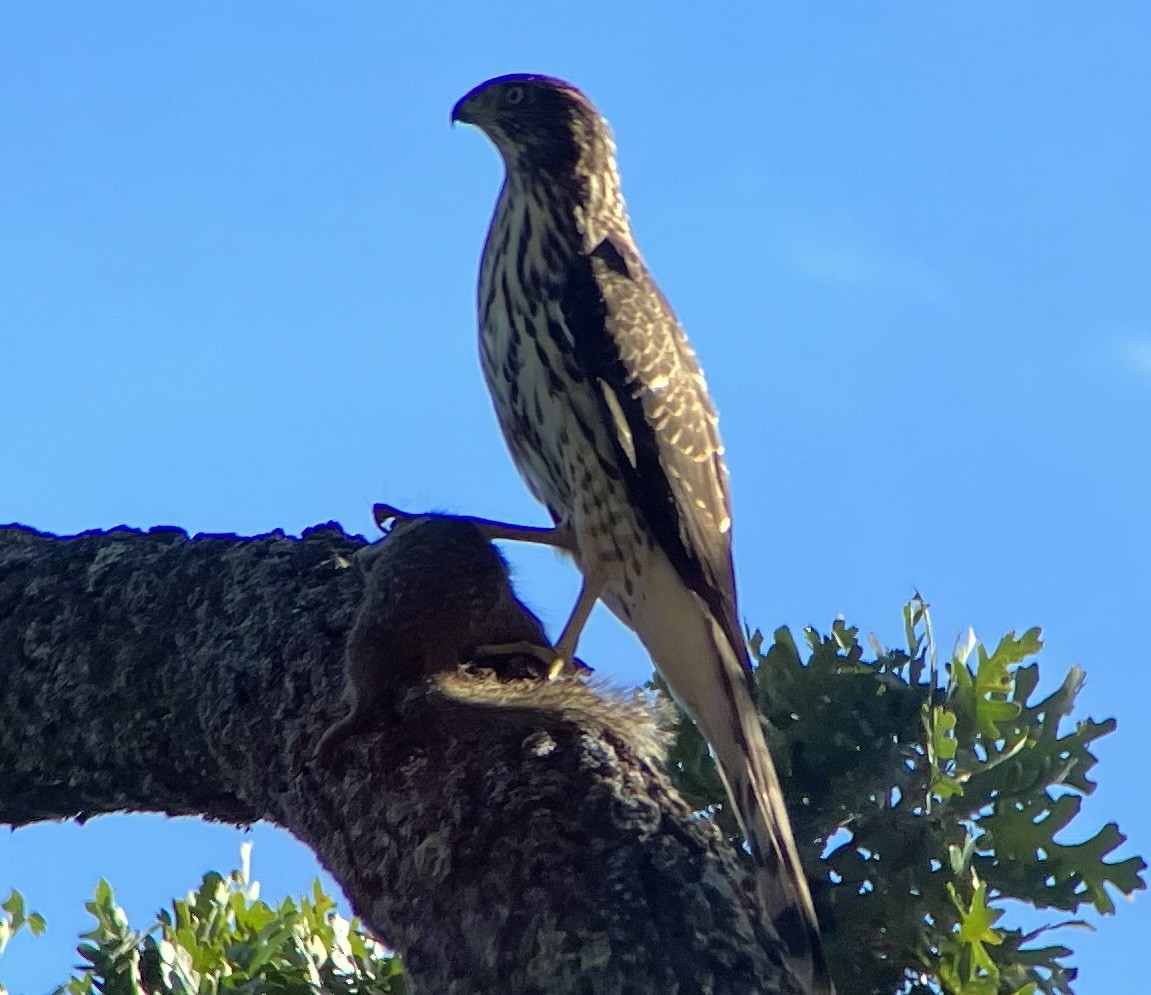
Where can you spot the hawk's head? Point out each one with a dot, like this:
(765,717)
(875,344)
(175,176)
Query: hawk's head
(537,123)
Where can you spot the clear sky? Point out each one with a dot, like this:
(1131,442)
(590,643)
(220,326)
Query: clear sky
(911,243)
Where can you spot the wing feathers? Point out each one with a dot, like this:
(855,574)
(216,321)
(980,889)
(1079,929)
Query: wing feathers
(655,401)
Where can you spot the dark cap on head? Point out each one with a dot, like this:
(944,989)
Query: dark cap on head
(535,121)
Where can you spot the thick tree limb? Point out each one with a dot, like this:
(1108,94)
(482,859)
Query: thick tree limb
(525,849)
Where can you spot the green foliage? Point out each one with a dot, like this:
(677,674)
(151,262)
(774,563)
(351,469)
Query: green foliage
(933,798)
(14,918)
(222,938)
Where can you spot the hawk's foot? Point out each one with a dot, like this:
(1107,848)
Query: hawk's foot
(554,665)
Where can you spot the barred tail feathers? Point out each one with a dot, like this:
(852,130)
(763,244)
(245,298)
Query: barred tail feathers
(729,721)
(708,676)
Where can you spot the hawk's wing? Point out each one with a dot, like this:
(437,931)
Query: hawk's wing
(654,401)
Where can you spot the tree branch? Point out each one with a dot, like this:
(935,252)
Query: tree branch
(520,840)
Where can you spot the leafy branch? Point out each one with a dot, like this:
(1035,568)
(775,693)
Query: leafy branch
(223,937)
(923,800)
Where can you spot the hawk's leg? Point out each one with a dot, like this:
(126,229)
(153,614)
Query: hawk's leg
(559,537)
(556,665)
(566,645)
(560,660)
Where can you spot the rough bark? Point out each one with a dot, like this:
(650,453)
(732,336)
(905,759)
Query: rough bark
(498,849)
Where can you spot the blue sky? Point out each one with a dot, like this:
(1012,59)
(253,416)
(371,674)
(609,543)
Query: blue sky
(911,244)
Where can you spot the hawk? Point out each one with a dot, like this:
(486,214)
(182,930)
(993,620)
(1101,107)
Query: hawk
(606,413)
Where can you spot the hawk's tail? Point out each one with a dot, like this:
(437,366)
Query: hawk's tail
(729,720)
(706,671)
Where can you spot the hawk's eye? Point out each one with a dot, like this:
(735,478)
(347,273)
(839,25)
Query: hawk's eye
(515,95)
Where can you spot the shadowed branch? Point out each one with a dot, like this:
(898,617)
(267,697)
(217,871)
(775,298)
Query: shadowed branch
(512,836)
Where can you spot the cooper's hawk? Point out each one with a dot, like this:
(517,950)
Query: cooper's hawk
(605,410)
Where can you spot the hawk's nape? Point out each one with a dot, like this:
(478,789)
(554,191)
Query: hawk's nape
(606,413)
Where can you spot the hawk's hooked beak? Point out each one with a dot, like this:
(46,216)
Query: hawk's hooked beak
(462,112)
